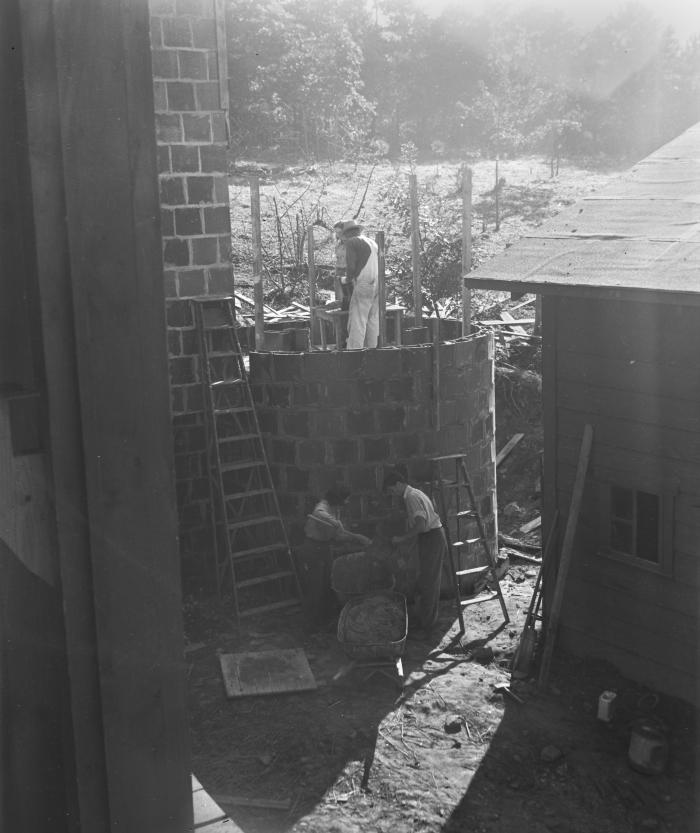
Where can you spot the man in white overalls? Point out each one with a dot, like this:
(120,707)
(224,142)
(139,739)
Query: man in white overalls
(362,271)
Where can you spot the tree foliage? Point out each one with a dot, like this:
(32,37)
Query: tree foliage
(325,79)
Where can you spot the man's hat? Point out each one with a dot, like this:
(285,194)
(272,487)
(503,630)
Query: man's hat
(347,225)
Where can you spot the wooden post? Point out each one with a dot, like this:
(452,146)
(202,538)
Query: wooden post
(435,338)
(379,239)
(415,249)
(496,198)
(566,553)
(312,286)
(257,263)
(538,314)
(466,249)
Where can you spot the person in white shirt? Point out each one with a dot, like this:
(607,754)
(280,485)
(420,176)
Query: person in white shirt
(424,524)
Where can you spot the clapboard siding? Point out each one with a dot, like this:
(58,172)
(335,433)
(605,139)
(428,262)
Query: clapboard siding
(631,370)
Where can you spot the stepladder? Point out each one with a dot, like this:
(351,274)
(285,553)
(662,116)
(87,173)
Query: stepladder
(466,534)
(252,557)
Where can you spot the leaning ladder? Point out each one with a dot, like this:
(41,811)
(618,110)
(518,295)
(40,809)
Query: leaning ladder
(251,548)
(454,491)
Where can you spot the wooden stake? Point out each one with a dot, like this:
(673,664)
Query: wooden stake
(312,285)
(566,554)
(466,249)
(415,250)
(496,198)
(257,263)
(435,334)
(381,277)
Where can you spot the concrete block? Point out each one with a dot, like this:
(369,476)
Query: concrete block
(180,95)
(279,396)
(217,220)
(191,283)
(213,159)
(177,400)
(321,366)
(372,391)
(344,451)
(363,478)
(207,96)
(156,33)
(196,8)
(361,422)
(185,160)
(381,364)
(182,370)
(200,189)
(213,66)
(205,251)
(204,34)
(399,390)
(194,397)
(288,367)
(351,364)
(416,360)
(390,420)
(417,417)
(341,394)
(160,96)
(191,65)
(297,479)
(188,221)
(164,162)
(174,342)
(171,190)
(327,423)
(196,127)
(376,449)
(306,393)
(179,314)
(311,453)
(295,423)
(407,445)
(268,421)
(177,32)
(220,281)
(218,127)
(167,222)
(176,252)
(415,335)
(283,451)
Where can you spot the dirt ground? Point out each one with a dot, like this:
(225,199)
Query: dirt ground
(447,750)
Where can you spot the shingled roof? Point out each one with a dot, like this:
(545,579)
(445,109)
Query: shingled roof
(637,238)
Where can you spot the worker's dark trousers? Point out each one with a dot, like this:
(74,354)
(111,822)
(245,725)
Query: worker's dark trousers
(431,551)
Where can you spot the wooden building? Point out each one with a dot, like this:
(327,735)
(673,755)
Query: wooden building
(93,729)
(619,276)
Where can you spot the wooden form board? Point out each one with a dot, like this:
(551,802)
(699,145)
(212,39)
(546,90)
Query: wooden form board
(266,672)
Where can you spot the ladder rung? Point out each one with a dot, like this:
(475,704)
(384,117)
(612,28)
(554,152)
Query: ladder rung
(249,493)
(478,599)
(258,551)
(250,582)
(223,354)
(222,383)
(465,513)
(448,457)
(472,571)
(248,464)
(262,519)
(251,611)
(220,411)
(469,542)
(238,438)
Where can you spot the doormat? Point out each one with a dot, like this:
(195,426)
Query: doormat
(266,672)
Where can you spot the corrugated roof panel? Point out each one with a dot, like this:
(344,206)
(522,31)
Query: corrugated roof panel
(640,234)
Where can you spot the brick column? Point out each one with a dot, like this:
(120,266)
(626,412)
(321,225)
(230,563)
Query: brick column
(192,139)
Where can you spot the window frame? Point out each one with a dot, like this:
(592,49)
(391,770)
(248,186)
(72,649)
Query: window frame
(664,566)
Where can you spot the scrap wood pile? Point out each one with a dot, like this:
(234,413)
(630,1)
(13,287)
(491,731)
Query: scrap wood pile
(245,311)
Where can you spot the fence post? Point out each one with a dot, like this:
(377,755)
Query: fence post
(257,264)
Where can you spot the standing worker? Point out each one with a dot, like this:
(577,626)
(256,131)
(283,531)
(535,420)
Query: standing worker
(362,273)
(424,524)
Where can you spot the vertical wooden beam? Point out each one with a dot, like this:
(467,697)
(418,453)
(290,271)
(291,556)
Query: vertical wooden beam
(466,249)
(415,251)
(312,284)
(103,64)
(435,338)
(257,263)
(379,239)
(550,487)
(497,200)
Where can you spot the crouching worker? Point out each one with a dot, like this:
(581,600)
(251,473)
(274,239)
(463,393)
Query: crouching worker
(326,538)
(424,524)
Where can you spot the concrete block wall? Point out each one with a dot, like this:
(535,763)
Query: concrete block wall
(192,144)
(344,417)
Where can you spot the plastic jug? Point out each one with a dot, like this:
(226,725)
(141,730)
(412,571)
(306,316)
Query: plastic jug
(648,749)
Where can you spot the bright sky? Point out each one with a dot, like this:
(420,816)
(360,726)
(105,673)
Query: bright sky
(683,15)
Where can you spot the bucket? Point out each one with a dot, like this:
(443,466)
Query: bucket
(648,749)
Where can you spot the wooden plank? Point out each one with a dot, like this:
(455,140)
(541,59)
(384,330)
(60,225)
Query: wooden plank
(654,675)
(381,278)
(515,324)
(257,263)
(312,285)
(87,796)
(415,251)
(662,380)
(435,338)
(550,325)
(507,448)
(535,523)
(250,801)
(266,672)
(566,553)
(107,131)
(466,249)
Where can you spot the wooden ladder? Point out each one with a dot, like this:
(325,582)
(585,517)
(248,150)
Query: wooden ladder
(458,505)
(251,548)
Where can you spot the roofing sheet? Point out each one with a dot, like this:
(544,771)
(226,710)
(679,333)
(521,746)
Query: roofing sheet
(639,234)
